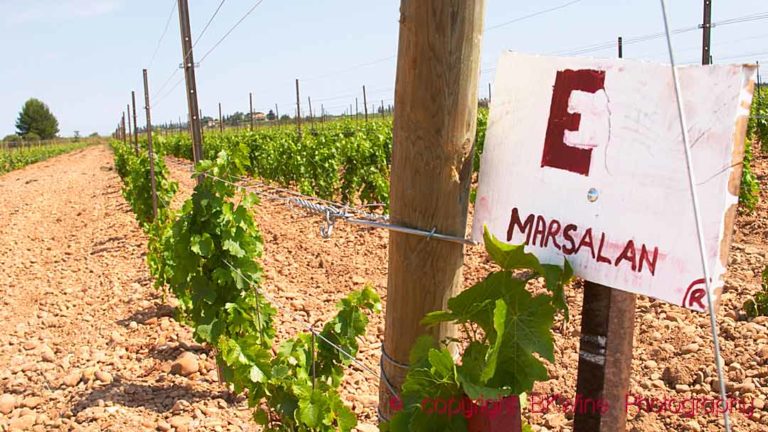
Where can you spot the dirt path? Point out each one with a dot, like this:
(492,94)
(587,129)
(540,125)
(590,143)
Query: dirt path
(85,344)
(88,344)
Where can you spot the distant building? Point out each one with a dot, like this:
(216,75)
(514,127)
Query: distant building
(259,116)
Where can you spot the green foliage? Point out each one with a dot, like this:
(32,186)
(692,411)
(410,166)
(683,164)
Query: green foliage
(12,138)
(482,126)
(343,159)
(749,192)
(758,305)
(21,156)
(300,383)
(36,118)
(758,122)
(757,132)
(208,259)
(137,190)
(509,333)
(137,187)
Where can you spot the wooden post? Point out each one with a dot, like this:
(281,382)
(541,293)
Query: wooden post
(621,47)
(150,152)
(311,116)
(298,109)
(438,60)
(277,114)
(250,102)
(706,27)
(365,104)
(489,94)
(130,129)
(135,124)
(221,120)
(605,357)
(357,110)
(122,128)
(605,353)
(188,63)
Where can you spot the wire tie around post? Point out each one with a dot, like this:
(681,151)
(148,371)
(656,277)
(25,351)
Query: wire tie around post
(387,357)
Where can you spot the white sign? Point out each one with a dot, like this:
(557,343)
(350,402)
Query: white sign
(584,159)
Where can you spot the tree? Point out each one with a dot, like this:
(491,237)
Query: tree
(271,115)
(36,118)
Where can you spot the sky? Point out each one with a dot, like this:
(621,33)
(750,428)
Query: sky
(83,57)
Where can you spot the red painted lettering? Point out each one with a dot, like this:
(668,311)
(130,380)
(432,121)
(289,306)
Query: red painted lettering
(540,232)
(524,227)
(586,240)
(628,254)
(651,261)
(552,232)
(568,236)
(600,257)
(557,154)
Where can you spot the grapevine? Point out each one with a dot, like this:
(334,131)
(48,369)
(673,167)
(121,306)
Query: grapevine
(509,330)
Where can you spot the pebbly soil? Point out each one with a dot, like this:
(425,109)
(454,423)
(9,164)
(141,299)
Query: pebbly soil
(88,344)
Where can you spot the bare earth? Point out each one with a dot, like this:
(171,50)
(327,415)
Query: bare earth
(88,344)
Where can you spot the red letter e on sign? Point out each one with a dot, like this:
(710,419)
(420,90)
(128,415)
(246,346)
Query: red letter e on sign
(557,154)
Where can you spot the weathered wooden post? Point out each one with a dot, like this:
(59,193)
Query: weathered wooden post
(434,132)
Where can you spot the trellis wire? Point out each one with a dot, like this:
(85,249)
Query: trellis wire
(315,334)
(334,212)
(697,217)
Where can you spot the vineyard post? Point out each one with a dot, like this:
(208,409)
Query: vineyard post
(605,352)
(122,129)
(189,77)
(277,114)
(357,110)
(621,47)
(150,153)
(311,116)
(431,170)
(365,104)
(706,27)
(382,108)
(298,109)
(221,120)
(322,114)
(135,125)
(489,94)
(130,130)
(250,102)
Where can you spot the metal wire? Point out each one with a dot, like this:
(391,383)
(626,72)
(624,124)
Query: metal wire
(644,38)
(697,216)
(534,14)
(231,30)
(194,44)
(336,212)
(165,31)
(353,358)
(252,283)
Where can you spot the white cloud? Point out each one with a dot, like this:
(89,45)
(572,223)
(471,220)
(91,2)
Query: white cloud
(48,11)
